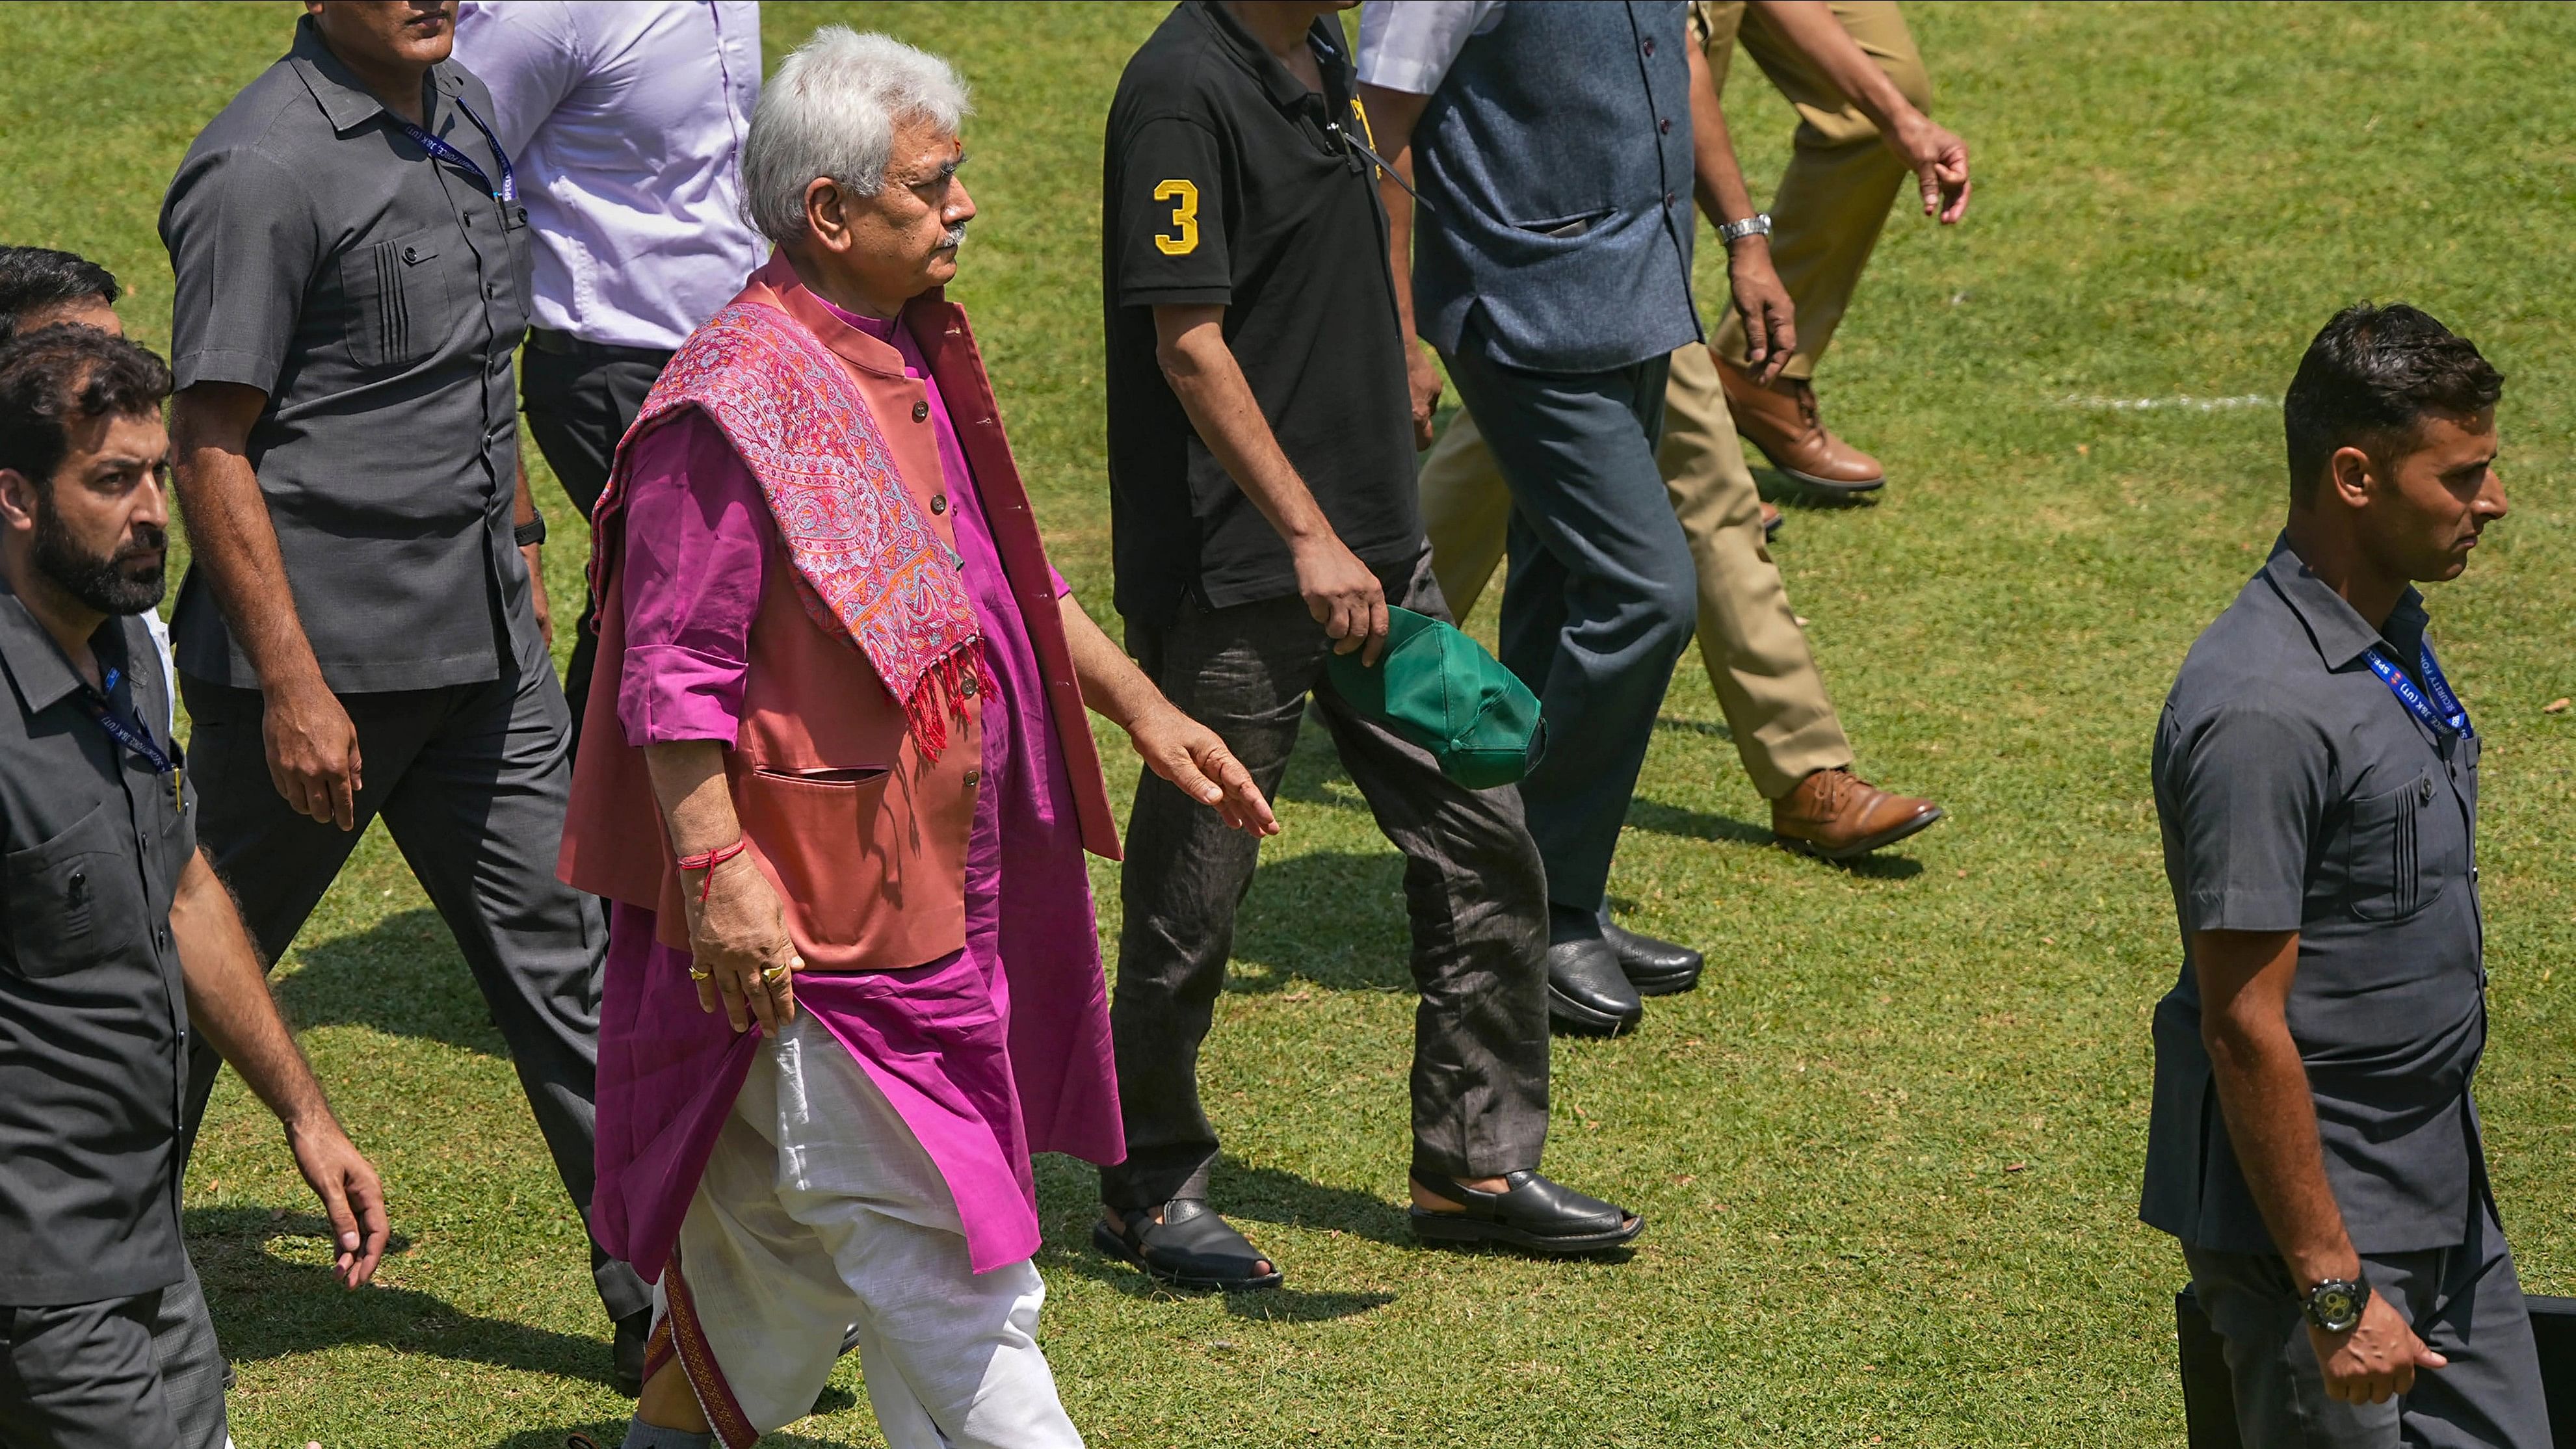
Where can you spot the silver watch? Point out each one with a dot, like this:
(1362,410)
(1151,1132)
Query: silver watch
(1729,233)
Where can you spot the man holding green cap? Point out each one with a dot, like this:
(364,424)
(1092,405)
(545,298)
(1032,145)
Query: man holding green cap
(1262,500)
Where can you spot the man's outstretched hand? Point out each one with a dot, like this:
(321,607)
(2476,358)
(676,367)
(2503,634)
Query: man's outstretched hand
(1190,755)
(351,1197)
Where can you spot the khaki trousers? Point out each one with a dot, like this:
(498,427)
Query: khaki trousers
(1757,657)
(1832,201)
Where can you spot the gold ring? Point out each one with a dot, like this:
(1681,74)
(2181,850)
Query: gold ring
(776,974)
(701,973)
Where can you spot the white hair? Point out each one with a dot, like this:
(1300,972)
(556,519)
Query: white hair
(831,111)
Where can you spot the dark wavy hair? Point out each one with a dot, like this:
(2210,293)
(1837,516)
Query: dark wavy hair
(52,376)
(35,278)
(2369,377)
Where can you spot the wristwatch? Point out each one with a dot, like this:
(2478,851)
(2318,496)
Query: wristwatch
(1731,232)
(2335,1305)
(532,531)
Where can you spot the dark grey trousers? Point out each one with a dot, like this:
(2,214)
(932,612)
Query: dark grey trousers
(579,402)
(1601,595)
(2463,1302)
(472,782)
(98,1375)
(1472,887)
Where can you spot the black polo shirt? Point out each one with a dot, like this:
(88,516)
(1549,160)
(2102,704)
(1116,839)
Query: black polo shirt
(2296,793)
(93,1014)
(1226,182)
(376,296)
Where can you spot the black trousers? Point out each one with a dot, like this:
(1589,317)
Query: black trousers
(99,1376)
(472,781)
(1473,888)
(2464,1302)
(580,398)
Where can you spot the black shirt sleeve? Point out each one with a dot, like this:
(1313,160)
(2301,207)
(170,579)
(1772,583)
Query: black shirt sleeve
(2251,787)
(1171,243)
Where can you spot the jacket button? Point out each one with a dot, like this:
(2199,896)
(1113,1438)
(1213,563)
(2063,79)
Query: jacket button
(920,411)
(1664,127)
(939,503)
(411,254)
(1650,45)
(974,777)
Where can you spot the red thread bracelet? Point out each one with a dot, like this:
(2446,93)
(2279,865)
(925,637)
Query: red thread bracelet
(708,863)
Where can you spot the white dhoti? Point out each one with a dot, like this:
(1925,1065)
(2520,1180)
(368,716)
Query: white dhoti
(820,1210)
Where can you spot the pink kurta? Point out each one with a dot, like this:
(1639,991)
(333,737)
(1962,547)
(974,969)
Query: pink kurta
(959,1045)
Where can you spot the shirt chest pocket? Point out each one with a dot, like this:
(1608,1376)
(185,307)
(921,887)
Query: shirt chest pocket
(2401,848)
(77,899)
(401,297)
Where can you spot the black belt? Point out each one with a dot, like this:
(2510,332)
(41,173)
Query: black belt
(564,344)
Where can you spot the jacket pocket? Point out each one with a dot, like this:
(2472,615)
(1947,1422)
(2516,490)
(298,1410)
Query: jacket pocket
(1568,227)
(817,828)
(2388,872)
(77,899)
(398,299)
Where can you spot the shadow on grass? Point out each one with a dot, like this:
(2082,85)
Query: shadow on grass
(401,976)
(609,1433)
(267,1308)
(1788,492)
(1673,725)
(1069,1201)
(1700,825)
(1334,918)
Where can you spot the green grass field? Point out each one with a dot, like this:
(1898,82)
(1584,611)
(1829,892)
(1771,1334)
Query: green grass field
(1889,1150)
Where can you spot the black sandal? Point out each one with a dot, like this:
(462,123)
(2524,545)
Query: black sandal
(1191,1247)
(1530,1213)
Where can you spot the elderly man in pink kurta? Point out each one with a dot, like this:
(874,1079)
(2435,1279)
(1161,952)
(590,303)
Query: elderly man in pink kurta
(836,785)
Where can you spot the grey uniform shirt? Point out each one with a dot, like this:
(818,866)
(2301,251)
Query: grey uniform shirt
(93,1014)
(375,295)
(2296,793)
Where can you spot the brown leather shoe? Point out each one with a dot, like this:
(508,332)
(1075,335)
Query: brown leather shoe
(1838,815)
(1780,418)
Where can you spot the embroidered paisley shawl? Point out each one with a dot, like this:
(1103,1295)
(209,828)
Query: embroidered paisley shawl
(872,570)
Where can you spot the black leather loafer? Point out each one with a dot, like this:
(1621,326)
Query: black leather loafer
(1530,1213)
(1191,1247)
(1587,993)
(1655,968)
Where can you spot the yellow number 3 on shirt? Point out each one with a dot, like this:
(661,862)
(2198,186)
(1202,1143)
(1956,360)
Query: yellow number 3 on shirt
(1184,198)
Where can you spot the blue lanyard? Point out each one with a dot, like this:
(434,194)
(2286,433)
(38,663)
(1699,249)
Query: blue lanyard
(132,737)
(138,739)
(507,191)
(2441,713)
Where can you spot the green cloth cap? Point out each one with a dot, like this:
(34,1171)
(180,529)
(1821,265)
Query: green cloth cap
(1441,690)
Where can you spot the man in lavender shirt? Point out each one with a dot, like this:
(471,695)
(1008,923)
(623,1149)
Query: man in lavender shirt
(626,124)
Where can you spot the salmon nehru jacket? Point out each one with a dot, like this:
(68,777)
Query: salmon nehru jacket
(861,830)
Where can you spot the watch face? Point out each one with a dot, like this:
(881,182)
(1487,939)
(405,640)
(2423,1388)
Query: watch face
(2337,1306)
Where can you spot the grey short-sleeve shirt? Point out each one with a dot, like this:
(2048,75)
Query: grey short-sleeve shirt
(93,1012)
(2296,793)
(376,296)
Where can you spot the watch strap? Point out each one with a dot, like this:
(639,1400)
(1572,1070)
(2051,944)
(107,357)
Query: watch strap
(531,532)
(1731,232)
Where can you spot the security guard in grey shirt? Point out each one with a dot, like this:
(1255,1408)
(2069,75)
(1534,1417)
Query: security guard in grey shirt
(2313,1143)
(362,630)
(118,938)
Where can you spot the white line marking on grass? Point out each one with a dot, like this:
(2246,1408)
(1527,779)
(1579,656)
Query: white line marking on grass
(2182,403)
